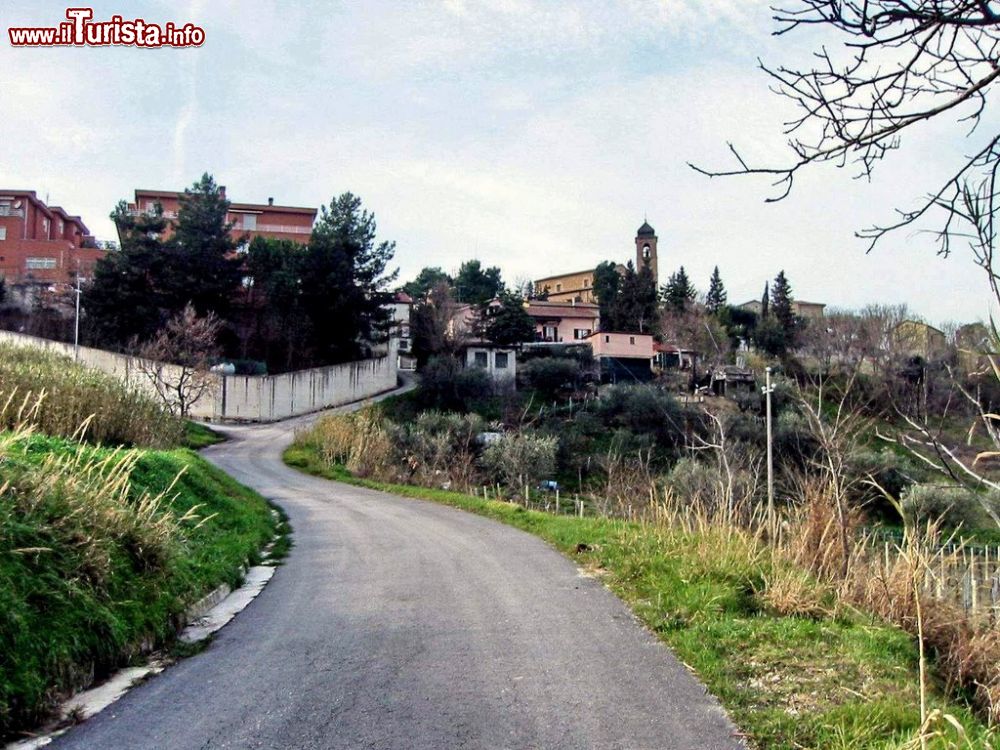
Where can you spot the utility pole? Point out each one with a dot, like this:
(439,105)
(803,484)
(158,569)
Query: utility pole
(768,389)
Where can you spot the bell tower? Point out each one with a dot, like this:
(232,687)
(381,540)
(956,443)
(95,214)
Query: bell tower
(645,250)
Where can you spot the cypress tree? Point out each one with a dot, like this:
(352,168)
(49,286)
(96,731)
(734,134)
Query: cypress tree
(781,303)
(716,297)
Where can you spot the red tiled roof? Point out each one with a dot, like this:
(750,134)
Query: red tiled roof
(545,309)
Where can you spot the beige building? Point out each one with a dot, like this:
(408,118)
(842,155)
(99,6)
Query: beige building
(919,339)
(800,308)
(559,322)
(578,286)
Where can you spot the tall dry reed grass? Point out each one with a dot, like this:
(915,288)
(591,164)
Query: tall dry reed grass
(62,395)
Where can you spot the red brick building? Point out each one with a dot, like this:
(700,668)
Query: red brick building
(249,219)
(42,244)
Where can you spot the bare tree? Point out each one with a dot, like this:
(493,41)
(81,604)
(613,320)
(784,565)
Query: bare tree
(694,328)
(440,324)
(177,360)
(901,63)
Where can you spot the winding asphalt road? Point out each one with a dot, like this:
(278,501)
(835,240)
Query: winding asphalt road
(397,623)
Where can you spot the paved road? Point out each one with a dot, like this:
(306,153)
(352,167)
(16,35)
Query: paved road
(402,624)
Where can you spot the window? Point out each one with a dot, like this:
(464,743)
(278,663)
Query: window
(607,339)
(550,333)
(581,333)
(558,287)
(482,360)
(631,340)
(586,282)
(3,233)
(501,360)
(250,222)
(39,264)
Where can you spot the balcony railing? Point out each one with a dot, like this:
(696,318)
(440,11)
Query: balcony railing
(280,228)
(150,212)
(9,211)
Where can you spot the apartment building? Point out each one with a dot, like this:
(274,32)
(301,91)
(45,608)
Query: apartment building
(42,244)
(249,220)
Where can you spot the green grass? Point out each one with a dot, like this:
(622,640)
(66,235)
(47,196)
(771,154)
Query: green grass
(59,396)
(85,591)
(788,682)
(198,436)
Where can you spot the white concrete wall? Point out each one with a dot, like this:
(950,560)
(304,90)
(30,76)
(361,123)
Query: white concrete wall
(266,398)
(250,398)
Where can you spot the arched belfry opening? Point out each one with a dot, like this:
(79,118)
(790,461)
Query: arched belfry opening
(645,250)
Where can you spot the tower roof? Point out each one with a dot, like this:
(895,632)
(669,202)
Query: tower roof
(645,230)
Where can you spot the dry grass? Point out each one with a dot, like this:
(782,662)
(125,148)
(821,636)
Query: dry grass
(82,501)
(891,581)
(60,396)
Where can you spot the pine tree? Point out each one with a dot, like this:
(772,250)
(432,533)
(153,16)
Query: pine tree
(508,323)
(716,297)
(781,302)
(125,298)
(634,309)
(201,264)
(344,282)
(476,285)
(678,292)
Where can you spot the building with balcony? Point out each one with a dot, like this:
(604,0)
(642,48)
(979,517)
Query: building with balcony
(563,322)
(249,220)
(42,244)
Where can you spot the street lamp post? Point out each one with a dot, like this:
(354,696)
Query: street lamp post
(768,390)
(76,325)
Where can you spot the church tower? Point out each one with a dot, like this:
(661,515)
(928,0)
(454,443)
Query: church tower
(645,250)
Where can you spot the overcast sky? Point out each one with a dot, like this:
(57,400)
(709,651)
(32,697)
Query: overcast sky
(531,135)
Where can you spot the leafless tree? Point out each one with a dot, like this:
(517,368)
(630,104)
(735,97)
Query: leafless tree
(694,328)
(901,63)
(177,360)
(440,325)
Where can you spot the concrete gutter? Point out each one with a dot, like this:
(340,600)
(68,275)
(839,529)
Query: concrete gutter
(206,616)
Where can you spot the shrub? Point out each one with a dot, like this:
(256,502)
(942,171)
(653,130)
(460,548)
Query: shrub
(644,410)
(694,483)
(891,472)
(58,396)
(440,448)
(952,506)
(551,376)
(446,385)
(520,459)
(434,450)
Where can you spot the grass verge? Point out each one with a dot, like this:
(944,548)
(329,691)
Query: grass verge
(101,552)
(829,681)
(198,436)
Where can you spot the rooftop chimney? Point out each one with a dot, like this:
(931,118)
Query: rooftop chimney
(270,201)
